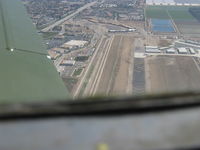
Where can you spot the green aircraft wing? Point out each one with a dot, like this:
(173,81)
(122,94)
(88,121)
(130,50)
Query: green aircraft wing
(26,73)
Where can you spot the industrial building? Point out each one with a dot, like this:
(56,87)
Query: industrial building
(58,50)
(182,50)
(174,2)
(128,30)
(152,49)
(171,51)
(68,63)
(74,44)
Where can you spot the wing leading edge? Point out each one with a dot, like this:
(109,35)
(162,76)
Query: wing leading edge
(26,73)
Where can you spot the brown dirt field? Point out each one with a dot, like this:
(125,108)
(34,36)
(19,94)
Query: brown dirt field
(133,24)
(152,40)
(122,78)
(166,74)
(103,87)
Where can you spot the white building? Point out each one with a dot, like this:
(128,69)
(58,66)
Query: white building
(182,50)
(192,51)
(68,63)
(173,2)
(74,43)
(152,49)
(171,51)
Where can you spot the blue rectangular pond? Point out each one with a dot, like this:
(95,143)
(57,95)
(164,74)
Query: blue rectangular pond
(162,25)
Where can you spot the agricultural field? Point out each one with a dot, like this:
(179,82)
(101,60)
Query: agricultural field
(156,12)
(195,11)
(77,72)
(186,23)
(163,12)
(160,25)
(49,35)
(165,74)
(183,14)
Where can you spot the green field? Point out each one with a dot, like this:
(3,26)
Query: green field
(156,12)
(77,72)
(181,15)
(163,12)
(48,35)
(185,22)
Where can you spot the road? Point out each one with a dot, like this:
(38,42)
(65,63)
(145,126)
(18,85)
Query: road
(168,54)
(68,17)
(98,70)
(80,85)
(176,28)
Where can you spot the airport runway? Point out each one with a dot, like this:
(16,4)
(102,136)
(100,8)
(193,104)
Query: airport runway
(111,75)
(88,69)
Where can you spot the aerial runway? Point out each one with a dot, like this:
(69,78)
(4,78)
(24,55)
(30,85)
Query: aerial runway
(111,74)
(166,74)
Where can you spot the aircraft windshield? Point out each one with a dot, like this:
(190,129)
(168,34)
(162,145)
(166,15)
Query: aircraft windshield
(119,74)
